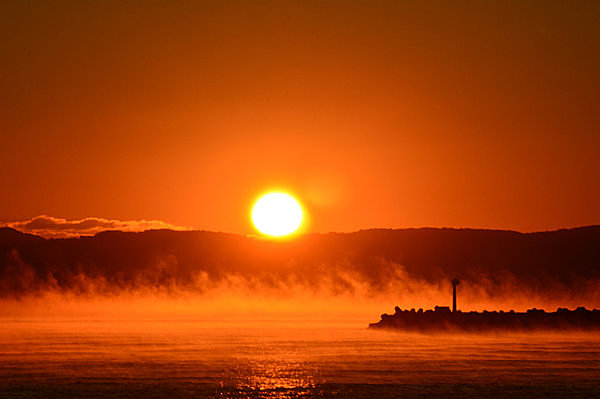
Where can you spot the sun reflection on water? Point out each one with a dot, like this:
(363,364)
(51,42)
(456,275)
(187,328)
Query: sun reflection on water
(273,378)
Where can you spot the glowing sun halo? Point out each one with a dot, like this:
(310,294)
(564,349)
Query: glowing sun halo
(277,214)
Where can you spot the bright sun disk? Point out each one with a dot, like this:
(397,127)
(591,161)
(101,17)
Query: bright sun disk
(277,214)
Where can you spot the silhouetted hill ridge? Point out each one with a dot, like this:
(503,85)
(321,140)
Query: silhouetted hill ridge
(562,259)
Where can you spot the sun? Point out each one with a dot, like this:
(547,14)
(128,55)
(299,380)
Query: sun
(277,214)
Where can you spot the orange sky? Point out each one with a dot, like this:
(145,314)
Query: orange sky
(375,114)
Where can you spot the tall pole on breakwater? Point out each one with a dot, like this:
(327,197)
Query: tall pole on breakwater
(455,282)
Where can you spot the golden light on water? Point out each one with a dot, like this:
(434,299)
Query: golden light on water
(277,214)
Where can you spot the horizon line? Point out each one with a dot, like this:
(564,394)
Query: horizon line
(63,233)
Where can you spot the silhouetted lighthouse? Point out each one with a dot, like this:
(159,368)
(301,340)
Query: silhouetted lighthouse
(455,282)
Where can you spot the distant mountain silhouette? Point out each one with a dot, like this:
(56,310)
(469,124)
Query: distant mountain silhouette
(542,262)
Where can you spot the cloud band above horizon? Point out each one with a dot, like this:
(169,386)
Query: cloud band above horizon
(53,227)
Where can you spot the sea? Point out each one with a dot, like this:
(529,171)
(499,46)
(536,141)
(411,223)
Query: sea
(186,358)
